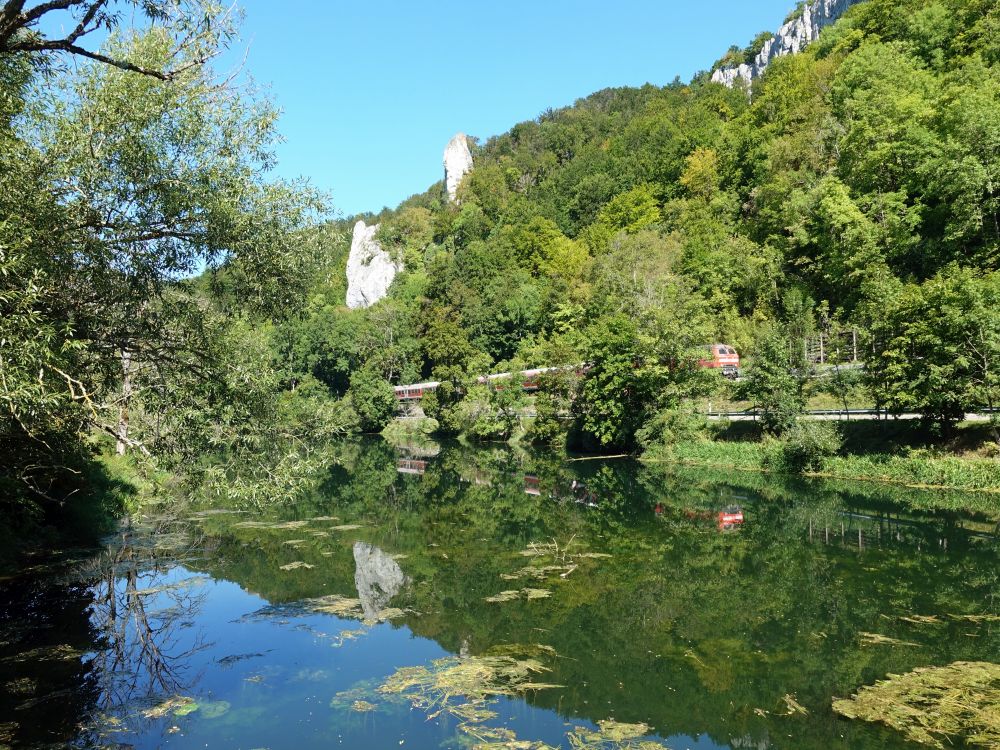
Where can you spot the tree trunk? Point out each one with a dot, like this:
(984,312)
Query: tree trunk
(125,400)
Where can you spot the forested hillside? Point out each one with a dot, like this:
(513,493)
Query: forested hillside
(857,186)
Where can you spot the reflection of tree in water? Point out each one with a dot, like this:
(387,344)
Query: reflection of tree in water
(141,612)
(46,689)
(106,641)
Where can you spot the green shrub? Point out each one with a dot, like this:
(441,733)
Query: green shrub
(373,399)
(672,426)
(807,444)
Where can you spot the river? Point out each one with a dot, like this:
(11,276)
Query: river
(454,598)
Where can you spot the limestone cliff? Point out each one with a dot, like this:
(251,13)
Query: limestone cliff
(370,270)
(457,163)
(792,37)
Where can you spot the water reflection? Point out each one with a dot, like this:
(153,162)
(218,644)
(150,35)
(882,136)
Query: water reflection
(714,611)
(378,578)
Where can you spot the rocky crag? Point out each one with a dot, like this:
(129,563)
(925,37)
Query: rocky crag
(813,17)
(457,164)
(370,269)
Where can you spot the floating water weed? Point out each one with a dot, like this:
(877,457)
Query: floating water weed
(935,705)
(976,618)
(346,527)
(509,596)
(362,706)
(389,613)
(22,686)
(921,619)
(794,707)
(535,650)
(215,512)
(464,687)
(499,738)
(62,652)
(539,573)
(536,593)
(504,596)
(296,565)
(177,705)
(333,604)
(613,735)
(876,639)
(348,635)
(278,525)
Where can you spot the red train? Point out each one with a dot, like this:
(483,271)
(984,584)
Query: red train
(723,357)
(529,382)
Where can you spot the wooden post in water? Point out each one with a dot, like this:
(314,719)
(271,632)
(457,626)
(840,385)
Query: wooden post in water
(860,543)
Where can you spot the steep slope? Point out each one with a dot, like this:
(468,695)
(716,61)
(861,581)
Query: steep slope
(801,29)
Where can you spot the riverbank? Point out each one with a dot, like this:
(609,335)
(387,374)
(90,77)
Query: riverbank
(106,488)
(894,453)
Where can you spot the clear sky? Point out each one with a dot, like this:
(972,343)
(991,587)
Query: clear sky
(372,91)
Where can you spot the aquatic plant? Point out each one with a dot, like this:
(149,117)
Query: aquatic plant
(296,565)
(613,735)
(877,639)
(529,594)
(935,705)
(464,688)
(177,705)
(332,604)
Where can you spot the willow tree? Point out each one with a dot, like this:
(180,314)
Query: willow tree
(129,175)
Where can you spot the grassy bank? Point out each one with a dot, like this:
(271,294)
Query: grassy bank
(894,452)
(105,488)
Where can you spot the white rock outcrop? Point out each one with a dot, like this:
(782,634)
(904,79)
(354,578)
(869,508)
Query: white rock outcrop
(791,38)
(457,164)
(378,578)
(370,270)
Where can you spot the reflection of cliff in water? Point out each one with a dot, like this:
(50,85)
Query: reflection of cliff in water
(378,578)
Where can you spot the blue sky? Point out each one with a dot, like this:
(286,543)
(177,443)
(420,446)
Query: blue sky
(372,91)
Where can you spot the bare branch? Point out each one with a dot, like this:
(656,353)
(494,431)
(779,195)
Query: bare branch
(14,20)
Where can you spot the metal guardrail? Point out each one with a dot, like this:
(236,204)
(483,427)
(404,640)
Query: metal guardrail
(979,415)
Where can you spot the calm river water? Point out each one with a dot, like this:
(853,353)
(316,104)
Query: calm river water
(526,600)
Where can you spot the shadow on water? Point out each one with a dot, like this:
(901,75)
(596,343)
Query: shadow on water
(714,610)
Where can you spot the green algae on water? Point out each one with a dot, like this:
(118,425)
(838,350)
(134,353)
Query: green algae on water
(613,735)
(465,687)
(297,565)
(514,595)
(935,705)
(177,705)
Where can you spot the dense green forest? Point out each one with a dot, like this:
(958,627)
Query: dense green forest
(164,299)
(855,188)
